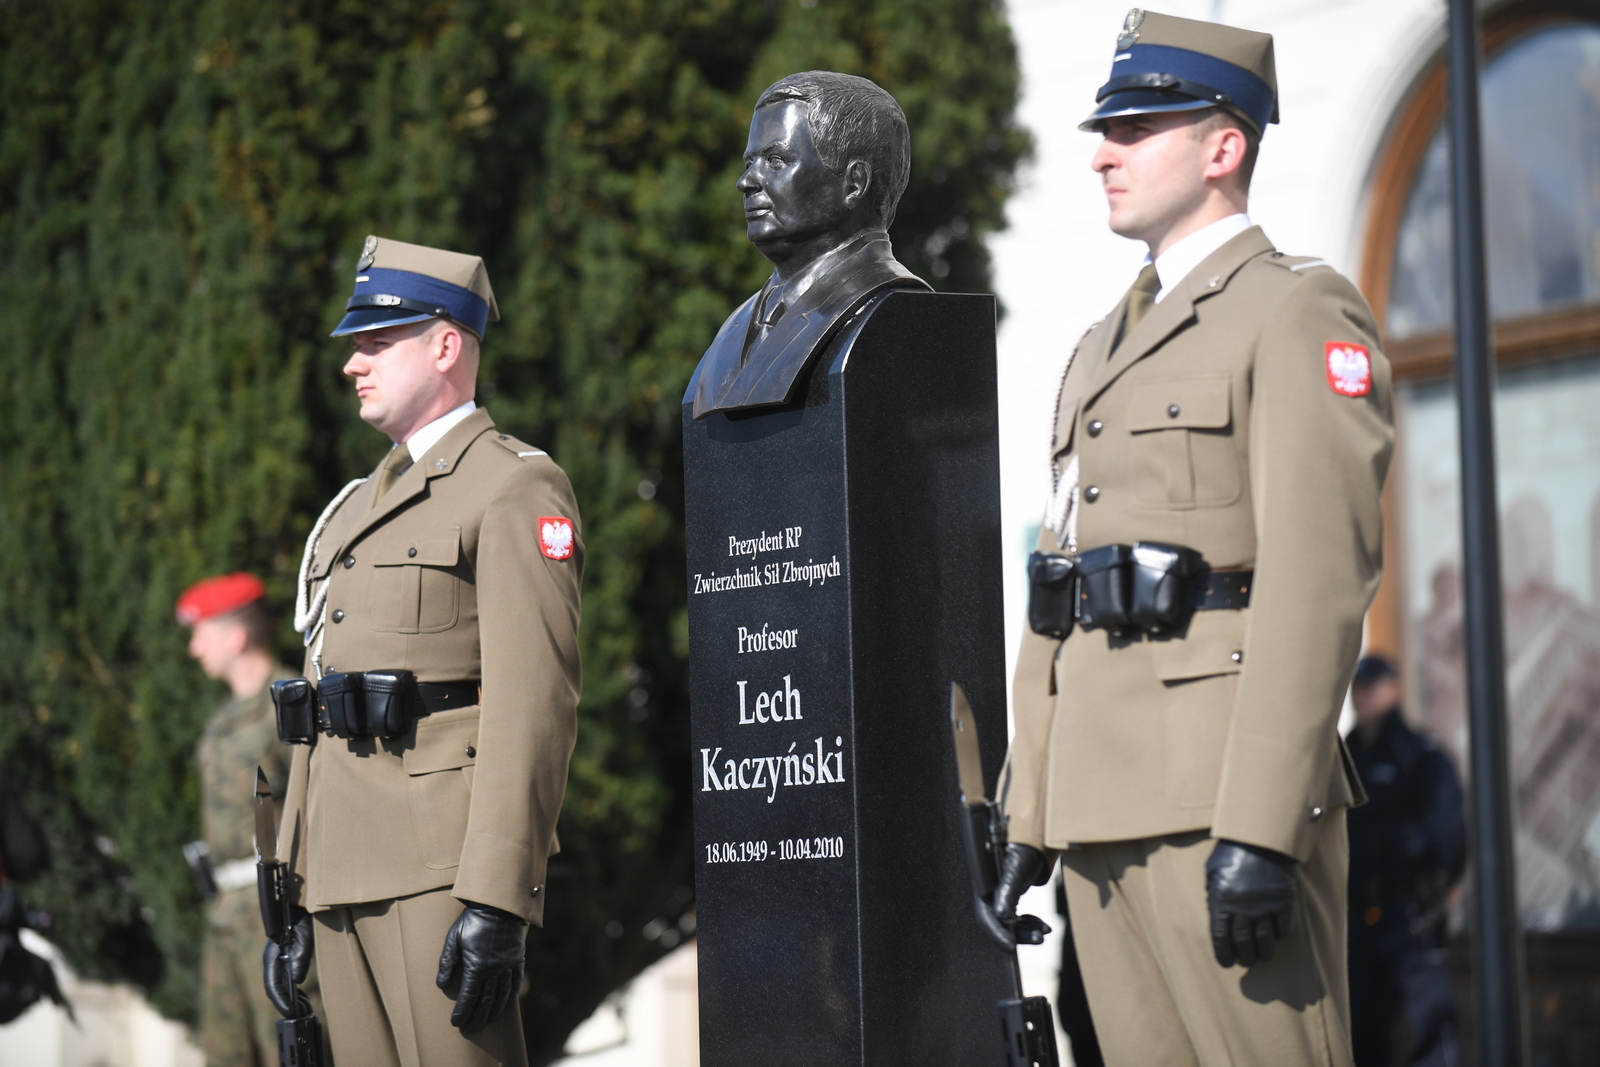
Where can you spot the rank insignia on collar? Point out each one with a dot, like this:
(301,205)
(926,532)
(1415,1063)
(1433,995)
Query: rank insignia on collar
(1130,29)
(555,536)
(369,252)
(1349,368)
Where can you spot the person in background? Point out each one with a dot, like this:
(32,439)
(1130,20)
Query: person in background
(1407,849)
(231,638)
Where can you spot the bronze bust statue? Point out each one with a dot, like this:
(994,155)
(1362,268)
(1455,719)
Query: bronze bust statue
(828,157)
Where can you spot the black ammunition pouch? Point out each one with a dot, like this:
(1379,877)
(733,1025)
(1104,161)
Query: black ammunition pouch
(1145,587)
(1052,594)
(296,702)
(1105,600)
(1160,581)
(364,704)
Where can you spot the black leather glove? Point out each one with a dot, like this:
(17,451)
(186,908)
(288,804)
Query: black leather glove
(1251,893)
(1022,867)
(285,966)
(482,958)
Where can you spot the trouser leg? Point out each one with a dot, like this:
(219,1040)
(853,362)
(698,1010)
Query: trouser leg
(357,1024)
(1429,1007)
(1374,1000)
(1158,995)
(1136,1019)
(1072,1002)
(388,963)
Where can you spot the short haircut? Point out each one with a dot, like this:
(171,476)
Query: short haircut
(257,625)
(1220,118)
(853,118)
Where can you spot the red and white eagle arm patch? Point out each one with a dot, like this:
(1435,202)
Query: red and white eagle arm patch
(1349,368)
(555,536)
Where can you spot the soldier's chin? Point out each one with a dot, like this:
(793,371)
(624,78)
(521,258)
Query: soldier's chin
(374,414)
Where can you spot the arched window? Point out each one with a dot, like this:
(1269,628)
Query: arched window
(1541,137)
(1541,140)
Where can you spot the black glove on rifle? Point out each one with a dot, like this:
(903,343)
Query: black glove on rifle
(285,966)
(1021,867)
(484,951)
(1251,894)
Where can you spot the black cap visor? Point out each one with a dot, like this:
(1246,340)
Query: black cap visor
(1139,102)
(361,319)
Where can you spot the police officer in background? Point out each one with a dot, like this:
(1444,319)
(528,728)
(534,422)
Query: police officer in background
(439,602)
(1209,551)
(1408,847)
(231,639)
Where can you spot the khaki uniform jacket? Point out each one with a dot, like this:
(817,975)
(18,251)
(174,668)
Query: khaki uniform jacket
(1214,424)
(445,577)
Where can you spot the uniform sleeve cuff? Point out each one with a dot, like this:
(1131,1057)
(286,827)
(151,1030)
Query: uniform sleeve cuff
(502,874)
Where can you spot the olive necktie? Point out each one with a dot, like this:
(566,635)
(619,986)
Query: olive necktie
(397,463)
(1142,297)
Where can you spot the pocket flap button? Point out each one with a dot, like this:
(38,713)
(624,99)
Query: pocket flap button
(1173,410)
(1095,427)
(1092,493)
(472,753)
(411,552)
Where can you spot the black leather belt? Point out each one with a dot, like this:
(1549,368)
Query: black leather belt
(442,696)
(1219,590)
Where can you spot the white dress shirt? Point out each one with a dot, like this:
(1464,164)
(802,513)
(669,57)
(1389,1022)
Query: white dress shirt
(425,438)
(1174,265)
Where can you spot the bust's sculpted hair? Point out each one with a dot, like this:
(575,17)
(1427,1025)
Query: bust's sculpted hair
(853,118)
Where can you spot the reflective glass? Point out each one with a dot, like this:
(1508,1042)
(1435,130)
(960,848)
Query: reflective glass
(1547,443)
(1541,148)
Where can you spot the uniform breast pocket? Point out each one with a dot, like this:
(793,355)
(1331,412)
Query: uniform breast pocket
(417,584)
(439,769)
(1183,452)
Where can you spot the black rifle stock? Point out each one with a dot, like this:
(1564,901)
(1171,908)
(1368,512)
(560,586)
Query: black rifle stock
(300,1035)
(1026,1024)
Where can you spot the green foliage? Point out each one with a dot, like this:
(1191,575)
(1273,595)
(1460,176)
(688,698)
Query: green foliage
(184,187)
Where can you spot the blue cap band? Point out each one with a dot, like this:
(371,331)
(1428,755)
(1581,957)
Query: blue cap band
(1192,74)
(388,297)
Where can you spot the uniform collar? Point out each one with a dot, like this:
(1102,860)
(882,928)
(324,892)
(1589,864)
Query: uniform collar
(1177,262)
(437,462)
(430,435)
(1206,280)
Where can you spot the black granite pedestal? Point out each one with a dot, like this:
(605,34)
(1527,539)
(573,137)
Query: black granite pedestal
(844,568)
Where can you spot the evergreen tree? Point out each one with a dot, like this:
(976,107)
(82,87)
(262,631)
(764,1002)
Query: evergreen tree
(184,188)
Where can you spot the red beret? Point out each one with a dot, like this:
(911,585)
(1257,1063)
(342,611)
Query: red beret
(218,596)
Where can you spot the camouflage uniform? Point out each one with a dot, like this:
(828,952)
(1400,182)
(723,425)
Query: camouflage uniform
(237,1021)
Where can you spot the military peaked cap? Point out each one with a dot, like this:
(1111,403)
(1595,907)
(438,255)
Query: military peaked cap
(1164,63)
(397,283)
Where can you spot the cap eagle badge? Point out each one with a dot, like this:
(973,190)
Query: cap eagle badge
(555,536)
(369,252)
(1130,29)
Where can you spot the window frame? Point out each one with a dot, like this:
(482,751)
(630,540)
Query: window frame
(1543,337)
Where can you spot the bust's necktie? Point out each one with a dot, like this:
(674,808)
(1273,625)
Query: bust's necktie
(1142,297)
(396,464)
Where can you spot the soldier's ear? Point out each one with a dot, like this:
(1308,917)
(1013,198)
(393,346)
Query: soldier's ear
(857,180)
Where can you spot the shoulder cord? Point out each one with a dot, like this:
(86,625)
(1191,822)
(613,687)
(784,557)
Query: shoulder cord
(309,607)
(1061,512)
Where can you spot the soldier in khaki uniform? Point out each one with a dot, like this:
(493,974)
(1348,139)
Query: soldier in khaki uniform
(439,602)
(1210,549)
(230,639)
